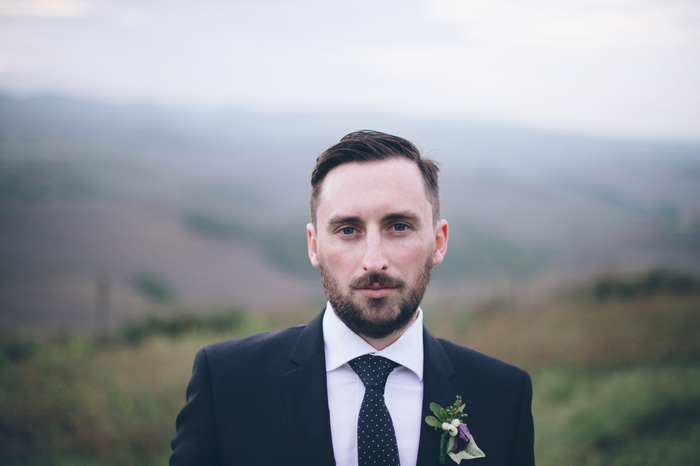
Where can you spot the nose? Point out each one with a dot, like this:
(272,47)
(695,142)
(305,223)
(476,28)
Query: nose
(375,259)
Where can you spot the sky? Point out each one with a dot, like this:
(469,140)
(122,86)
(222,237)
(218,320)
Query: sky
(623,68)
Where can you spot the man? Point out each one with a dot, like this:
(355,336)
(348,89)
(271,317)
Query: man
(310,395)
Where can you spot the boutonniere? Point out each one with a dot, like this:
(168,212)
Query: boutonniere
(455,440)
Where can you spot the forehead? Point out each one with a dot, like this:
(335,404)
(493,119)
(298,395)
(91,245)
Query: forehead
(360,189)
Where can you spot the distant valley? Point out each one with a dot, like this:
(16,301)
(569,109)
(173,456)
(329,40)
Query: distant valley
(108,213)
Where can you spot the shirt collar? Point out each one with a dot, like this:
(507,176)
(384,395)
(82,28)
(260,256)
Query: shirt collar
(342,344)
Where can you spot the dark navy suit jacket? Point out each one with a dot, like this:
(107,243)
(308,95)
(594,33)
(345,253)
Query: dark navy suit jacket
(262,400)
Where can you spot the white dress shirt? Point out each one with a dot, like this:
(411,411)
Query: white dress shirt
(403,393)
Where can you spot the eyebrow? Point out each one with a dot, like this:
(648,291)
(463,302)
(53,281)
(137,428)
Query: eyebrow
(339,220)
(407,216)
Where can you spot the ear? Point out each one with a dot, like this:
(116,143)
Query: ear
(441,232)
(311,242)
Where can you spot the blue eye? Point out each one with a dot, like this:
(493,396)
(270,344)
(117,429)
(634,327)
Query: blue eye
(400,227)
(348,230)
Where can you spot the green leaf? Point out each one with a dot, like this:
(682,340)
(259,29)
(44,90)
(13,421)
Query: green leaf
(444,417)
(461,408)
(433,421)
(436,408)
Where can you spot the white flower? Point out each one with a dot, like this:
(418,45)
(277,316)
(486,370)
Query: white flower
(456,422)
(452,430)
(445,426)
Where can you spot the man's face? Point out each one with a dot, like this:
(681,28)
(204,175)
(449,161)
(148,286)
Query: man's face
(375,243)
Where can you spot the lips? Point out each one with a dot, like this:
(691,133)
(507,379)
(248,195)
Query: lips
(376,281)
(376,292)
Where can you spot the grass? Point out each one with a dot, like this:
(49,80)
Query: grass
(616,381)
(73,401)
(76,403)
(637,415)
(584,333)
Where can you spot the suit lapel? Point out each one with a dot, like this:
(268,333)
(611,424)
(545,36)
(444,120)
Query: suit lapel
(306,397)
(437,388)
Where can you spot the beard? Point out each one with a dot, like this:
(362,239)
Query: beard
(377,317)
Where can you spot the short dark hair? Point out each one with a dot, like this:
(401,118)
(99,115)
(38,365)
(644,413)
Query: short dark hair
(372,146)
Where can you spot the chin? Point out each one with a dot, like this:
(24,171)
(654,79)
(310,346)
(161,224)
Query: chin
(379,318)
(379,310)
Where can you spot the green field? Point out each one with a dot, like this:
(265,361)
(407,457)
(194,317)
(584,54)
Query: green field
(616,377)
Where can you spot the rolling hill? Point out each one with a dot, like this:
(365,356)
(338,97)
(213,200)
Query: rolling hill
(211,204)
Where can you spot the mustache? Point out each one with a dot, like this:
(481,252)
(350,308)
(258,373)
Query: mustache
(381,279)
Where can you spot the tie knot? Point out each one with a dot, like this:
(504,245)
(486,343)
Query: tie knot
(373,370)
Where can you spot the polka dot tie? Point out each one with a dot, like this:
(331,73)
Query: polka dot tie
(376,440)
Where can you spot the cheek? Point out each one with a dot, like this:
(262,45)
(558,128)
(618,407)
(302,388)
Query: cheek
(411,258)
(337,259)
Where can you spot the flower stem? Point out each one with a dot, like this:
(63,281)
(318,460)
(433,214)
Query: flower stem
(443,448)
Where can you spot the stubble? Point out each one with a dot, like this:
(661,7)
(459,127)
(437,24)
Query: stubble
(376,317)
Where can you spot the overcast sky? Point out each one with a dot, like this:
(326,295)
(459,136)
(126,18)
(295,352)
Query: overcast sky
(610,67)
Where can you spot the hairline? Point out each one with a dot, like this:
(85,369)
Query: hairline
(435,212)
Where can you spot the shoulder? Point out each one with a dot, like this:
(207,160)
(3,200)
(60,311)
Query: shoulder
(260,348)
(258,342)
(476,359)
(470,364)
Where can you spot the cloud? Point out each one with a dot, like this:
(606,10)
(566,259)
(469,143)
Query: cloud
(43,8)
(602,65)
(574,23)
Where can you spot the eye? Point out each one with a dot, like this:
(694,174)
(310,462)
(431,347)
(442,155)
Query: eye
(399,227)
(347,230)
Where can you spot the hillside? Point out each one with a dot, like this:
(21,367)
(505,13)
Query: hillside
(211,205)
